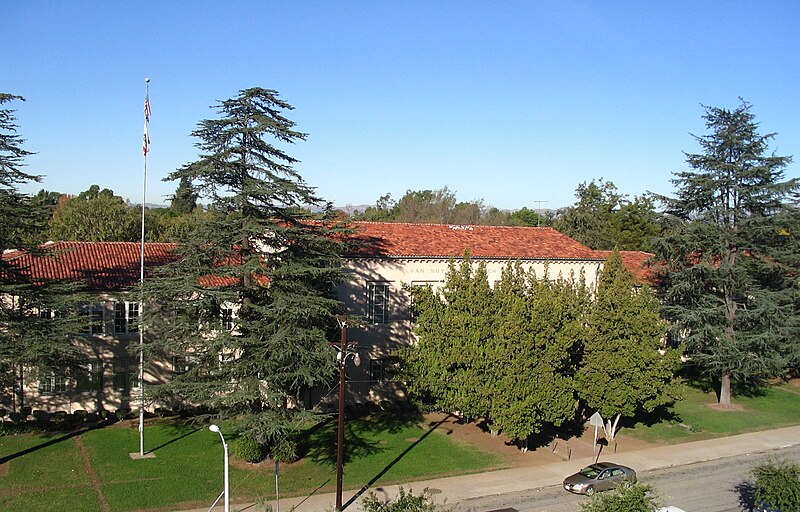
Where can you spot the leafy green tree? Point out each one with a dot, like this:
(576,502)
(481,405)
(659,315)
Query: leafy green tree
(588,221)
(538,329)
(627,497)
(254,284)
(164,225)
(432,206)
(96,216)
(505,355)
(468,320)
(635,224)
(385,210)
(625,367)
(527,217)
(33,315)
(728,292)
(605,219)
(777,484)
(448,367)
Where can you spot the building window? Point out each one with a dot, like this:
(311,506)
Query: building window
(90,377)
(123,379)
(52,383)
(126,317)
(378,303)
(226,318)
(182,364)
(377,370)
(94,318)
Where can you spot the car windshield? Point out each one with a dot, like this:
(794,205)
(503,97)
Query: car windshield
(590,472)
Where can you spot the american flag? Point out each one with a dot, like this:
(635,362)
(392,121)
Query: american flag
(146,137)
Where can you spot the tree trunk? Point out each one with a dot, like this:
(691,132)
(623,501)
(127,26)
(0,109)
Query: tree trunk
(725,390)
(19,391)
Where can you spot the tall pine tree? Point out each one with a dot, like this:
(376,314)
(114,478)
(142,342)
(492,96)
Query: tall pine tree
(729,291)
(625,368)
(246,307)
(36,317)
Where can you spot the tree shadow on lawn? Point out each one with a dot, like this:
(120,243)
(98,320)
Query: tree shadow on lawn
(180,430)
(432,427)
(320,443)
(661,414)
(68,435)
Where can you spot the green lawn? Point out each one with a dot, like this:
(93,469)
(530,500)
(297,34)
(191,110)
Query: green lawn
(187,469)
(693,419)
(47,472)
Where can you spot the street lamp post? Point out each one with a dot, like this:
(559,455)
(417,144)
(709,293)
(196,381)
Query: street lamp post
(226,491)
(342,360)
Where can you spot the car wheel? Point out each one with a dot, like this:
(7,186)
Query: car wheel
(589,490)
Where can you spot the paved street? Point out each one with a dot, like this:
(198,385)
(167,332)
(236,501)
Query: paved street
(544,479)
(711,486)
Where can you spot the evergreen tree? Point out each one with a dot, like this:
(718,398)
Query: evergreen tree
(42,205)
(468,321)
(625,367)
(449,367)
(730,293)
(539,324)
(505,355)
(34,316)
(13,204)
(184,201)
(248,303)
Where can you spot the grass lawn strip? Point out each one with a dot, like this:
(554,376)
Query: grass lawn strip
(696,417)
(94,472)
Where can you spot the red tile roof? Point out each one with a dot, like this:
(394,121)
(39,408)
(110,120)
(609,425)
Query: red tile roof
(101,265)
(116,265)
(379,239)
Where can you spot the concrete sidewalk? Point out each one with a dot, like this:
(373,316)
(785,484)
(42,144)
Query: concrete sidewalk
(457,488)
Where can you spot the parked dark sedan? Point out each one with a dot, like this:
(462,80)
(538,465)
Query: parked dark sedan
(598,477)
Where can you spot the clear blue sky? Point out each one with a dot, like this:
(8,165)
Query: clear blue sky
(509,102)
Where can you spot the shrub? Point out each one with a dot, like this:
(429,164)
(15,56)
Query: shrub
(627,497)
(404,502)
(285,450)
(778,484)
(248,450)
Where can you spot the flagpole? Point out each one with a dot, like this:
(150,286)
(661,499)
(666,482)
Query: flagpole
(145,149)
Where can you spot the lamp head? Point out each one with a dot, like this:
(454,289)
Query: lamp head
(357,359)
(214,428)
